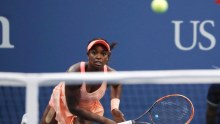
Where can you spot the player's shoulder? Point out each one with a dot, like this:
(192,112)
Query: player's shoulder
(110,68)
(74,68)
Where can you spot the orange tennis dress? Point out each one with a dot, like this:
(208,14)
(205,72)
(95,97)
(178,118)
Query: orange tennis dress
(88,101)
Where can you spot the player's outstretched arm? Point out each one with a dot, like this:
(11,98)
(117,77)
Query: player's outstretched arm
(118,116)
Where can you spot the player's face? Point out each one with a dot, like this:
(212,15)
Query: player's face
(98,57)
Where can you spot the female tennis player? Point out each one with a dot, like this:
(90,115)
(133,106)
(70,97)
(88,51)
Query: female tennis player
(80,104)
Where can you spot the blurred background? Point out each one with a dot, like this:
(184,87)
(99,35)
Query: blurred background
(49,36)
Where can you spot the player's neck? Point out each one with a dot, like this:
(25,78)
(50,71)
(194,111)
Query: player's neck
(90,68)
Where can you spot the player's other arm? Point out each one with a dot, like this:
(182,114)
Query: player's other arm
(116,89)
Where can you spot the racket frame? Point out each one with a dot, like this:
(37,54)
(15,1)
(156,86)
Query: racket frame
(161,99)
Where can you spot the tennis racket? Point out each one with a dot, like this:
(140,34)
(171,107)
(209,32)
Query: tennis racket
(170,109)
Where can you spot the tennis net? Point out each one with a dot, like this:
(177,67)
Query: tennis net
(30,92)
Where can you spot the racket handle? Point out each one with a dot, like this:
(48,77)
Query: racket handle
(127,122)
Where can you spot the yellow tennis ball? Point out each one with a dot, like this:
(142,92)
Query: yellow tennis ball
(159,6)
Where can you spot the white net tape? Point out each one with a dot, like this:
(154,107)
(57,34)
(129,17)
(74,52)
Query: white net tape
(32,81)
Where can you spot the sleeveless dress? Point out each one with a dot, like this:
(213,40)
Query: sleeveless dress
(88,101)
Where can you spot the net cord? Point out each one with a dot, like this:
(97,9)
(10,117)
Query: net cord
(32,81)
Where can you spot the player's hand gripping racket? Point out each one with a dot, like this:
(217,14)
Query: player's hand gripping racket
(170,109)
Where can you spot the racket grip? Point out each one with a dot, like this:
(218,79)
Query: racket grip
(127,122)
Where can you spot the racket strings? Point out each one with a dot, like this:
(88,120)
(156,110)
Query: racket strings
(171,110)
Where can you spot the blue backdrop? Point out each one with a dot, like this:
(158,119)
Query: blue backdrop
(51,35)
